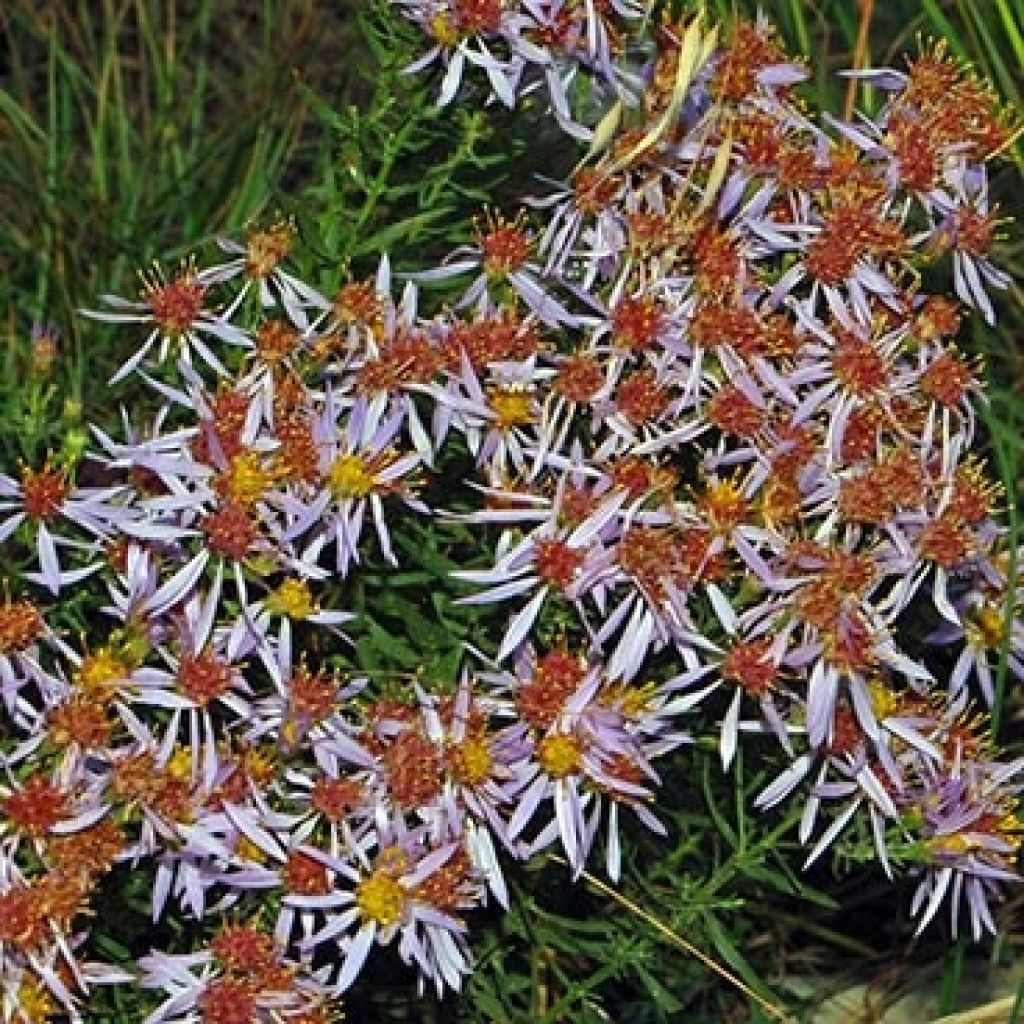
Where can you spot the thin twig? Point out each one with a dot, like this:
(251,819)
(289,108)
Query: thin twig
(860,52)
(677,940)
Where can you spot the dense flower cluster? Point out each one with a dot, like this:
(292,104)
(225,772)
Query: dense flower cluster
(714,421)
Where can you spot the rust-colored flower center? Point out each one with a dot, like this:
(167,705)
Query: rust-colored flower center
(505,245)
(649,554)
(21,623)
(945,542)
(22,923)
(313,693)
(275,340)
(556,677)
(358,303)
(939,317)
(227,1001)
(638,476)
(850,643)
(749,664)
(335,799)
(80,720)
(298,457)
(36,807)
(225,424)
(203,678)
(43,492)
(176,304)
(734,413)
(636,323)
(847,734)
(749,49)
(640,398)
(718,263)
(413,764)
(579,379)
(862,500)
(242,948)
(974,231)
(557,562)
(972,496)
(947,380)
(230,530)
(859,367)
(303,875)
(91,850)
(915,149)
(444,887)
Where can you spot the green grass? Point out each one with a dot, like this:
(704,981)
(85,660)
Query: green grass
(131,129)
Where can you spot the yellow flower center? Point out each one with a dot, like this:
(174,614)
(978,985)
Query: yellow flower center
(632,701)
(180,764)
(883,701)
(99,670)
(34,1003)
(443,29)
(955,844)
(261,765)
(246,849)
(512,407)
(559,755)
(724,505)
(471,761)
(292,598)
(350,477)
(380,898)
(247,479)
(1010,828)
(988,625)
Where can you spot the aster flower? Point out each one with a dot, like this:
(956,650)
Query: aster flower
(22,625)
(242,972)
(550,558)
(179,316)
(752,664)
(360,465)
(502,256)
(409,892)
(45,499)
(291,601)
(970,834)
(498,416)
(460,32)
(198,670)
(258,261)
(979,626)
(486,766)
